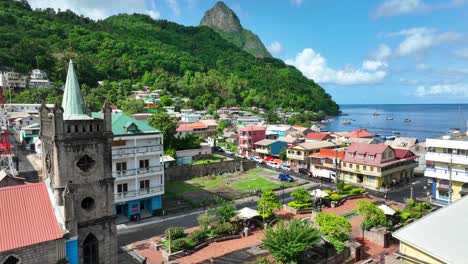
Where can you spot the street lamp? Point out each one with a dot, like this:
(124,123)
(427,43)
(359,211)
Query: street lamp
(282,187)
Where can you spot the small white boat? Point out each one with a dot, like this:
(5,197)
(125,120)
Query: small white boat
(389,118)
(390,137)
(345,121)
(407,120)
(396,132)
(375,114)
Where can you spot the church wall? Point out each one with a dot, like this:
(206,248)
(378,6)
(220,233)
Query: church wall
(47,252)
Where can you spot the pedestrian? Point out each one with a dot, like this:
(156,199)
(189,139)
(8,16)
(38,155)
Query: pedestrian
(385,197)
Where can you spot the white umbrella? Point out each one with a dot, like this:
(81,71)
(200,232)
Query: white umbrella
(387,209)
(247,213)
(318,193)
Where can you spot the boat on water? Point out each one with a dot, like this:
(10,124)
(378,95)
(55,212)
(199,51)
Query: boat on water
(390,137)
(375,114)
(454,130)
(345,121)
(389,118)
(407,120)
(396,132)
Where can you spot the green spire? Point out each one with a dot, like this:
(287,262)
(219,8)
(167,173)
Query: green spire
(72,102)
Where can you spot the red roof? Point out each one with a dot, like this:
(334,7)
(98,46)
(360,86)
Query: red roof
(141,116)
(184,127)
(329,153)
(252,128)
(317,136)
(361,153)
(191,127)
(26,216)
(403,153)
(359,133)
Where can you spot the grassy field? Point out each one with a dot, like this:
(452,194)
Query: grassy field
(212,159)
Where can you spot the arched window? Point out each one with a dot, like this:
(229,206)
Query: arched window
(11,260)
(90,250)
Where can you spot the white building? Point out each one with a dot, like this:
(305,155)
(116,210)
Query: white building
(13,80)
(190,118)
(137,166)
(447,166)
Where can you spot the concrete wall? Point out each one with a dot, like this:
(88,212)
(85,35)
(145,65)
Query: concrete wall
(378,236)
(187,172)
(416,254)
(47,252)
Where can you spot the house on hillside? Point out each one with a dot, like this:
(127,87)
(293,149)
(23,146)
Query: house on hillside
(248,136)
(267,147)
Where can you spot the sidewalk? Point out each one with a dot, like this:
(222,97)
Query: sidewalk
(239,203)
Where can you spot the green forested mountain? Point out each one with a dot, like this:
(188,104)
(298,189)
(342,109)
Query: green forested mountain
(192,62)
(225,22)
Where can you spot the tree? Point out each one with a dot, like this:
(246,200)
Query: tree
(205,219)
(288,241)
(301,196)
(282,154)
(267,203)
(166,100)
(222,124)
(335,228)
(225,211)
(164,122)
(374,216)
(132,106)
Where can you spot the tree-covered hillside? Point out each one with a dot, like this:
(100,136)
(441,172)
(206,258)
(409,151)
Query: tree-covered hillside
(192,62)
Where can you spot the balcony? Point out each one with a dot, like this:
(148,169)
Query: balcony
(139,171)
(245,136)
(295,156)
(457,175)
(244,146)
(128,152)
(445,157)
(263,151)
(129,195)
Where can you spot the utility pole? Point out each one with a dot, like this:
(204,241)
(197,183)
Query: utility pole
(450,180)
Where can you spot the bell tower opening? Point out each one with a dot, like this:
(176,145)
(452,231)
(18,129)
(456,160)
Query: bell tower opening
(91,250)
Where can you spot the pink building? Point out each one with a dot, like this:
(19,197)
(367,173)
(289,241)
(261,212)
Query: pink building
(248,136)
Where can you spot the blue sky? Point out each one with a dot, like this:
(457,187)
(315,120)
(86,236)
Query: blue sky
(366,51)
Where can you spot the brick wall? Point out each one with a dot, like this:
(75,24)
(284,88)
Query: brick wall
(48,252)
(187,172)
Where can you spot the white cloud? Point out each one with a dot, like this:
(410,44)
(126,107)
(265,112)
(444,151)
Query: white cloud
(174,6)
(382,52)
(459,89)
(314,66)
(417,40)
(275,48)
(401,7)
(463,53)
(373,65)
(297,2)
(100,9)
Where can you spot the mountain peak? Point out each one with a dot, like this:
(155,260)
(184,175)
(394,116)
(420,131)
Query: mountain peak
(224,21)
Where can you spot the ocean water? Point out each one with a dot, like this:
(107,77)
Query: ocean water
(427,120)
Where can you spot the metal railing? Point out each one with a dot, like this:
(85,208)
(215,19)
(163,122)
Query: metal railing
(139,192)
(135,150)
(138,171)
(447,172)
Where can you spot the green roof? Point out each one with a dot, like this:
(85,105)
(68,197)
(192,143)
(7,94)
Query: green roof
(125,125)
(72,102)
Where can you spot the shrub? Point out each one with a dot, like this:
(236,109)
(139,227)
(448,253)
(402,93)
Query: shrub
(178,244)
(405,215)
(198,236)
(339,186)
(347,187)
(329,192)
(295,205)
(335,197)
(410,202)
(357,191)
(225,228)
(301,196)
(175,233)
(205,219)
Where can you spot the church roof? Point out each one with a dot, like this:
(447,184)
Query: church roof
(72,102)
(125,125)
(27,216)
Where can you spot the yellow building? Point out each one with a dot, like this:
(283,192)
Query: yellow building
(377,165)
(440,237)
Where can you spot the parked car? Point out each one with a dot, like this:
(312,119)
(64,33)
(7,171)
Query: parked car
(259,160)
(285,177)
(285,167)
(305,172)
(217,149)
(273,164)
(229,152)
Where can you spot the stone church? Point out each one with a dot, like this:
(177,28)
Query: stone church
(77,175)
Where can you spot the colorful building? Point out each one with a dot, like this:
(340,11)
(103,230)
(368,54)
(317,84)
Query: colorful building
(298,154)
(280,130)
(447,166)
(317,136)
(326,162)
(248,136)
(137,166)
(267,147)
(377,165)
(440,237)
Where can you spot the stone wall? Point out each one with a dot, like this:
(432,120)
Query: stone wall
(187,172)
(378,236)
(47,252)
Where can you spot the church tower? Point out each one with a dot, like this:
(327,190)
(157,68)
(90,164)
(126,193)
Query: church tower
(77,161)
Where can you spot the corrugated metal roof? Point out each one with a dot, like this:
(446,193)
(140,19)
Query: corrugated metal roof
(26,216)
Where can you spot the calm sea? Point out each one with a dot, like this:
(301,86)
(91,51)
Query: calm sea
(426,120)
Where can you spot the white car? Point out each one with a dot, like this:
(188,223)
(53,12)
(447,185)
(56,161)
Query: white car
(285,167)
(273,164)
(259,160)
(228,152)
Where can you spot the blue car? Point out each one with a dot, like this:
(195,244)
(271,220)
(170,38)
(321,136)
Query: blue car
(285,177)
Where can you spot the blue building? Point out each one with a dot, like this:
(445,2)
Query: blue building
(268,147)
(137,166)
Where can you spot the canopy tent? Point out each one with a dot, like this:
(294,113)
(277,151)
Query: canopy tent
(247,213)
(318,193)
(387,209)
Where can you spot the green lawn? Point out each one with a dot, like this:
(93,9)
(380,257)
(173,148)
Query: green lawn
(209,182)
(255,183)
(211,159)
(180,187)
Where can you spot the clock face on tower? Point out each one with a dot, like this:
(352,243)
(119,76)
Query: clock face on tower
(48,163)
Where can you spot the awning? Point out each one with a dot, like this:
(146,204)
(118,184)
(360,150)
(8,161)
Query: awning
(318,193)
(247,213)
(387,209)
(268,158)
